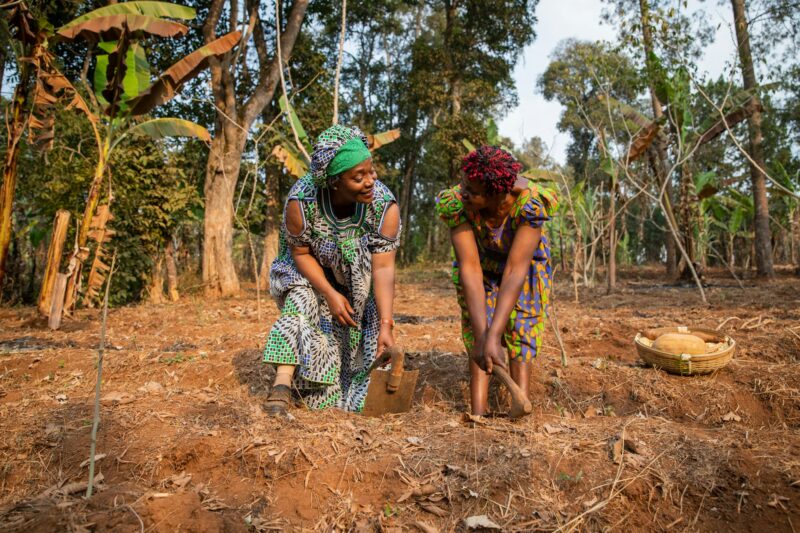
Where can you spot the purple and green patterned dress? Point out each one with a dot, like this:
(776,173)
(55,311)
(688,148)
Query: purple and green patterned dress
(331,359)
(523,335)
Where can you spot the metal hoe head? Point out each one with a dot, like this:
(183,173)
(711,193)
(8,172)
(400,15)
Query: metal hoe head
(390,391)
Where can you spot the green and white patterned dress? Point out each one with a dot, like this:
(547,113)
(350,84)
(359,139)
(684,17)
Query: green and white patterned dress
(331,359)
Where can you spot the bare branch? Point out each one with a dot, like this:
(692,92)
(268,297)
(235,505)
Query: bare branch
(268,80)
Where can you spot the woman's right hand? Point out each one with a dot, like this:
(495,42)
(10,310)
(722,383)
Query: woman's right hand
(493,354)
(340,308)
(477,351)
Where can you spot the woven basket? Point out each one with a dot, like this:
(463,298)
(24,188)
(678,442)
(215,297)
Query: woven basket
(685,364)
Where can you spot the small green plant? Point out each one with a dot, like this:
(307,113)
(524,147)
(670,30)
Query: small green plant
(388,510)
(564,477)
(61,363)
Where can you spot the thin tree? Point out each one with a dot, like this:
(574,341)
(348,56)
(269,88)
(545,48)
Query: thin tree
(234,118)
(658,156)
(763,245)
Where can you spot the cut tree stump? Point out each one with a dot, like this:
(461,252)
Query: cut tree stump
(60,227)
(57,302)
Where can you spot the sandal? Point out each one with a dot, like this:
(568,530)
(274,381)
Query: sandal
(278,401)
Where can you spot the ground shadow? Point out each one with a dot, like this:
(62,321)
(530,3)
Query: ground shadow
(252,371)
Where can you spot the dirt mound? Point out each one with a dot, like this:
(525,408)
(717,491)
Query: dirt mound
(184,444)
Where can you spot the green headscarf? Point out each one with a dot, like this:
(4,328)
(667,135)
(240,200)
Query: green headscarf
(328,146)
(352,153)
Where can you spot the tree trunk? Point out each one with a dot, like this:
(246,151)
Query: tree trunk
(406,194)
(225,155)
(686,218)
(15,130)
(272,227)
(763,245)
(172,272)
(796,239)
(155,291)
(222,173)
(81,252)
(612,239)
(660,143)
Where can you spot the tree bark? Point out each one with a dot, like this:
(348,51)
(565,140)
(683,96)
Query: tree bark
(687,217)
(406,194)
(233,121)
(155,291)
(612,238)
(172,273)
(660,143)
(272,227)
(222,173)
(763,244)
(796,239)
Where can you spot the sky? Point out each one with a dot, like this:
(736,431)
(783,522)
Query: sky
(580,19)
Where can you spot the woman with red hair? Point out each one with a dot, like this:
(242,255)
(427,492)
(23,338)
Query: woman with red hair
(502,266)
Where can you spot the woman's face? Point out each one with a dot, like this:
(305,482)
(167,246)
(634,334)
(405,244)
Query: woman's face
(358,183)
(473,195)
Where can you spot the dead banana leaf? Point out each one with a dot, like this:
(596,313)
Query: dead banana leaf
(100,233)
(52,86)
(642,141)
(291,162)
(383,138)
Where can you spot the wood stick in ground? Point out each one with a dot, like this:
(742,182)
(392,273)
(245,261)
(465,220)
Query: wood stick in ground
(101,350)
(551,313)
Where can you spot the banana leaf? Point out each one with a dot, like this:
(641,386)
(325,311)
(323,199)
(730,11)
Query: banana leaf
(112,27)
(492,133)
(151,9)
(291,162)
(381,139)
(171,80)
(160,128)
(642,141)
(287,108)
(52,86)
(539,175)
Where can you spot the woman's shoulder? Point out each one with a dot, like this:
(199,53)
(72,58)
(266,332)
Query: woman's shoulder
(382,196)
(449,206)
(535,204)
(303,189)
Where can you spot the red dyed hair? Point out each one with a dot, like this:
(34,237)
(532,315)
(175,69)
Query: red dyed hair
(493,167)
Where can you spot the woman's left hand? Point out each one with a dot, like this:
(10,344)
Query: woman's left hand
(385,338)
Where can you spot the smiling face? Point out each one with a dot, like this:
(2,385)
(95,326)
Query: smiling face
(358,183)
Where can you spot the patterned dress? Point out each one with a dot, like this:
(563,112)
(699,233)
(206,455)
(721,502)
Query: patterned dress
(523,335)
(331,359)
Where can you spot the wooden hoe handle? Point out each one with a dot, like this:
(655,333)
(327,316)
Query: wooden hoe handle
(520,405)
(398,358)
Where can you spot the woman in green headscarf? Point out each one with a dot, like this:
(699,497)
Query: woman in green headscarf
(333,278)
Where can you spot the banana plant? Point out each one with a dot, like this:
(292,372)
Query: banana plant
(122,86)
(27,37)
(123,91)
